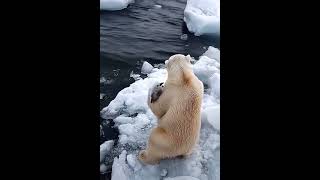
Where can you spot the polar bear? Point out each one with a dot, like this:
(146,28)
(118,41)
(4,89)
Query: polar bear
(177,105)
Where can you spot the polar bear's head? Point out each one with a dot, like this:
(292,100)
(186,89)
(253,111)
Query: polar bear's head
(179,68)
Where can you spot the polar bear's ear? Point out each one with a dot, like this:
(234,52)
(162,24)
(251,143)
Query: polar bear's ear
(166,63)
(188,58)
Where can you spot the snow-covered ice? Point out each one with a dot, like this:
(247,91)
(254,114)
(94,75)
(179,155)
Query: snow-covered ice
(212,115)
(133,118)
(203,17)
(122,169)
(105,148)
(135,76)
(146,68)
(212,53)
(207,68)
(113,5)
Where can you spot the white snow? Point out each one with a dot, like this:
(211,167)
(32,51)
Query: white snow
(135,76)
(105,148)
(133,118)
(113,5)
(131,160)
(215,84)
(203,17)
(146,68)
(208,70)
(121,169)
(123,120)
(212,53)
(212,115)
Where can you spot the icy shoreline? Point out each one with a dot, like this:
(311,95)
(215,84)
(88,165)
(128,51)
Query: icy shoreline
(134,120)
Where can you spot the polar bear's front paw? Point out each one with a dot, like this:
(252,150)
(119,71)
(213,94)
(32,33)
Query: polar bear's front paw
(144,158)
(156,92)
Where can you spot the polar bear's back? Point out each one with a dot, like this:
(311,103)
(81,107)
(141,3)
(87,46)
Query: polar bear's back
(183,119)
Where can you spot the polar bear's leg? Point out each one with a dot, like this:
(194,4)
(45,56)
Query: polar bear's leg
(147,158)
(158,145)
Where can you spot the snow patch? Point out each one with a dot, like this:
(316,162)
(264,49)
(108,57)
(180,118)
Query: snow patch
(203,17)
(146,68)
(135,76)
(113,5)
(207,69)
(121,169)
(212,115)
(105,148)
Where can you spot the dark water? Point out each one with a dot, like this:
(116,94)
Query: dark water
(138,33)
